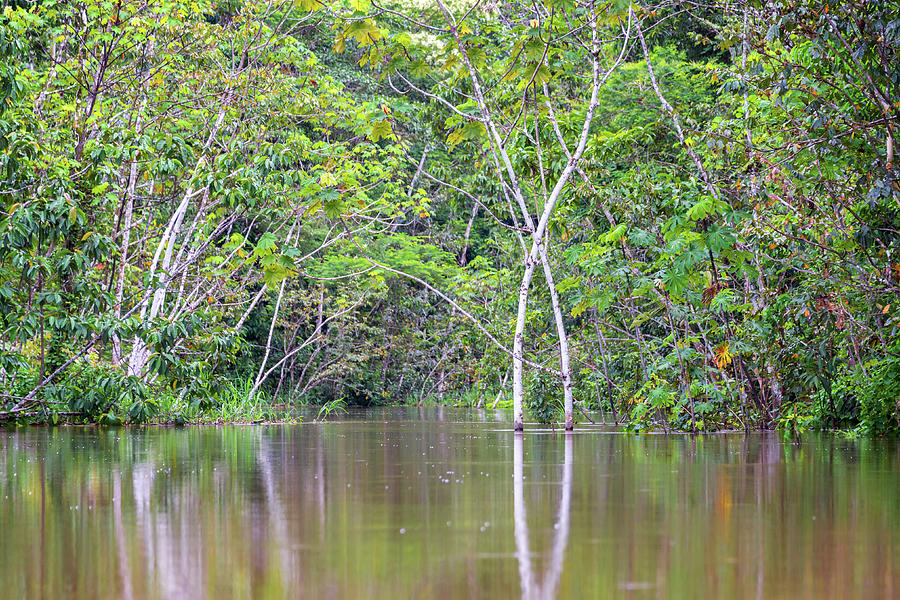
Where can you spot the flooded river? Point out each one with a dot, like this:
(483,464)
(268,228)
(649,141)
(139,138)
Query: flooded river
(407,503)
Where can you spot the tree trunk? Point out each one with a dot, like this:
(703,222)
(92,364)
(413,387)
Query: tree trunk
(125,228)
(519,342)
(565,370)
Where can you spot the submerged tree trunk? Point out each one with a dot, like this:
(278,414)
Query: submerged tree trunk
(564,368)
(538,232)
(519,344)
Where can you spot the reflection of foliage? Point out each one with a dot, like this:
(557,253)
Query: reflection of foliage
(75,482)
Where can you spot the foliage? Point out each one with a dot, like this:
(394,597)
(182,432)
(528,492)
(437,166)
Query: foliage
(334,407)
(207,208)
(544,400)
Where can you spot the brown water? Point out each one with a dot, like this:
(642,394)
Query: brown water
(442,504)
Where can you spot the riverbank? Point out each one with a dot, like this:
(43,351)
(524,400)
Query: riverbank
(233,405)
(230,406)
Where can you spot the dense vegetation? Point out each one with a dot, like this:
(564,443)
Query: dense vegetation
(687,215)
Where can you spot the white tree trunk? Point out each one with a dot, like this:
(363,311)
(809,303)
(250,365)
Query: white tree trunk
(564,368)
(265,360)
(539,251)
(519,342)
(125,228)
(140,352)
(538,232)
(260,375)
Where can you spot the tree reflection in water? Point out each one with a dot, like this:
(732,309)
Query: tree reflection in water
(531,589)
(402,505)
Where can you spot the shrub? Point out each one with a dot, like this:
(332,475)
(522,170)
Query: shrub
(544,398)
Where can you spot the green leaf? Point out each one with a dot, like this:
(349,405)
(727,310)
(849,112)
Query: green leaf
(477,57)
(307,5)
(616,234)
(534,49)
(469,131)
(723,301)
(100,188)
(365,32)
(381,129)
(404,39)
(334,207)
(266,244)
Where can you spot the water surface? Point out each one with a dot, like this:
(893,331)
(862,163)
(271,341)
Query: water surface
(407,503)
